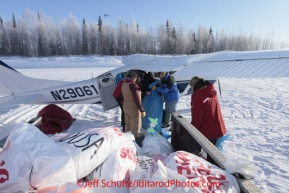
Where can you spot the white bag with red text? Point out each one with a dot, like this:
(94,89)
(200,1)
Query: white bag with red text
(30,160)
(116,165)
(138,148)
(144,163)
(157,178)
(112,174)
(203,176)
(88,150)
(69,187)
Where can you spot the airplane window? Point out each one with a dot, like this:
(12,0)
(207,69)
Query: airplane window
(105,79)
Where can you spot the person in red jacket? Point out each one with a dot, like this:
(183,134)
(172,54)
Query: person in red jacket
(205,110)
(117,94)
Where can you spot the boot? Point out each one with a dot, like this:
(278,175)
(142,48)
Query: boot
(167,120)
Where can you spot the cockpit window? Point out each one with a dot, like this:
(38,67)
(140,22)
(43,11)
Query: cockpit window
(105,79)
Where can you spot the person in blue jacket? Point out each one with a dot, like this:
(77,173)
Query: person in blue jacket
(171,95)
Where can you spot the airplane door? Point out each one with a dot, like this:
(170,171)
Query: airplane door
(106,88)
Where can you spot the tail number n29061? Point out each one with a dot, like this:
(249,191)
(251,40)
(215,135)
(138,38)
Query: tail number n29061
(74,92)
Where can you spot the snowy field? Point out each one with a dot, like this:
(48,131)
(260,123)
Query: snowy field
(256,114)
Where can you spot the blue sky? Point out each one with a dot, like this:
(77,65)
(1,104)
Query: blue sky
(263,18)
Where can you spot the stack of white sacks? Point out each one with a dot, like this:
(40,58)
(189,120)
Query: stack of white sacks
(103,160)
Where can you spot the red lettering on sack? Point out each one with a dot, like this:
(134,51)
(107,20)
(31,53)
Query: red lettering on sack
(117,131)
(3,172)
(211,179)
(129,154)
(184,165)
(203,171)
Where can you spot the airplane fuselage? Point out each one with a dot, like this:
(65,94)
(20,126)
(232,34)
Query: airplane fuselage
(83,92)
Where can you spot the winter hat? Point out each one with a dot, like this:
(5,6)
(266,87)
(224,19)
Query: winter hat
(194,80)
(131,74)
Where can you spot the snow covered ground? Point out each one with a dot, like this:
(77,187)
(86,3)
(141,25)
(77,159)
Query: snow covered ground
(256,113)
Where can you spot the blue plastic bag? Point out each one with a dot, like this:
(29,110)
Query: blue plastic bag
(220,142)
(153,106)
(165,134)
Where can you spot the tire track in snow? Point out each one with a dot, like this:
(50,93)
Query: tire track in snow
(21,114)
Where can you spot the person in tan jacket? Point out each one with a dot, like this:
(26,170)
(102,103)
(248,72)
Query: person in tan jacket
(132,106)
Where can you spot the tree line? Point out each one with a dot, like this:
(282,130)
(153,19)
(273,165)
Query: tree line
(36,35)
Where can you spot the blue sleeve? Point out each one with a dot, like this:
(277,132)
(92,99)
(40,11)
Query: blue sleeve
(162,89)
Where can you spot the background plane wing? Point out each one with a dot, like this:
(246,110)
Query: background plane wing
(249,64)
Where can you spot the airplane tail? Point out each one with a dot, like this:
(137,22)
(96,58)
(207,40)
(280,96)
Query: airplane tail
(13,82)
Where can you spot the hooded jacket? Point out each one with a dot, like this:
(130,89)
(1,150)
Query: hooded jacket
(206,112)
(169,89)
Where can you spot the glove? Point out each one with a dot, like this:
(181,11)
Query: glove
(142,114)
(154,88)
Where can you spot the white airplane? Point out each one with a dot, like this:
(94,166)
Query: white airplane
(16,88)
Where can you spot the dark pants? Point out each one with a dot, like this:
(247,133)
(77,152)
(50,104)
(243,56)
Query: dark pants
(209,158)
(120,102)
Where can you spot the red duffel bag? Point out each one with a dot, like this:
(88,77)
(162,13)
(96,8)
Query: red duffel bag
(54,119)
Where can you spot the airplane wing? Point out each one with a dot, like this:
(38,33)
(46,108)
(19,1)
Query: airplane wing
(249,64)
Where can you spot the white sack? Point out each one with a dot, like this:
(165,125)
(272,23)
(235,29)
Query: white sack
(154,143)
(31,158)
(116,166)
(204,176)
(115,136)
(138,148)
(87,149)
(157,178)
(112,174)
(144,163)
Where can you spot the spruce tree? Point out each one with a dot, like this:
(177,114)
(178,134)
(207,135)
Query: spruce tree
(100,38)
(99,25)
(14,38)
(211,41)
(174,41)
(168,40)
(84,39)
(112,45)
(14,21)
